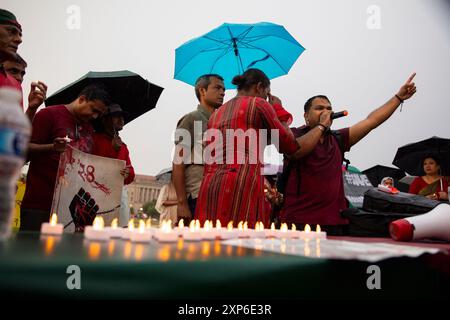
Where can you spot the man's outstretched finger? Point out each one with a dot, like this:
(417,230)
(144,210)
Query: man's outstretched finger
(411,77)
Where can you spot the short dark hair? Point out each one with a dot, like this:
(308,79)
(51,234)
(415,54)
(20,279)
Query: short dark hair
(249,78)
(96,91)
(309,102)
(204,81)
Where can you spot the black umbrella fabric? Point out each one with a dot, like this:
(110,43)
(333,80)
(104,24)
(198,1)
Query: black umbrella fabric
(378,172)
(410,157)
(133,93)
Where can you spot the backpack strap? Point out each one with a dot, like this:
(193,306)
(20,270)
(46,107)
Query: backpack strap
(338,136)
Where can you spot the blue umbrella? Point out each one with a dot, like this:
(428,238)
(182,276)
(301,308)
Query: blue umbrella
(231,49)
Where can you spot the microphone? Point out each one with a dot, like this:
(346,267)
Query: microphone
(335,115)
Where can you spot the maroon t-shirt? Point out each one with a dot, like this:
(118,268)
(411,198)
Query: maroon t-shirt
(321,187)
(7,80)
(48,124)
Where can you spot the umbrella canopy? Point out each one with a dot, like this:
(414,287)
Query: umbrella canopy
(133,93)
(410,157)
(378,172)
(404,183)
(231,49)
(164,175)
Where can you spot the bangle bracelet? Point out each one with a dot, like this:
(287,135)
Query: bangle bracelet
(401,100)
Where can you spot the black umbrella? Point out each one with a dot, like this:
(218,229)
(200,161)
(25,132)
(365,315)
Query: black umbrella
(133,93)
(410,157)
(378,172)
(404,183)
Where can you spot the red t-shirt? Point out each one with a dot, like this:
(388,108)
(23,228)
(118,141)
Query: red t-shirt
(321,190)
(418,184)
(103,147)
(8,81)
(48,124)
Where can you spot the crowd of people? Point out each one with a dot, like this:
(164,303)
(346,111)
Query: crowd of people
(207,187)
(56,127)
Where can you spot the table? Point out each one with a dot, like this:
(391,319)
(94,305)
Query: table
(35,265)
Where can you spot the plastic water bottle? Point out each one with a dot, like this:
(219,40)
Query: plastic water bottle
(15,131)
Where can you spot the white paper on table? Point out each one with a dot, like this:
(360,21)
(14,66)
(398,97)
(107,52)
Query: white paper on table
(333,249)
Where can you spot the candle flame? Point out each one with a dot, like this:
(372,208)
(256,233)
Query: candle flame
(245,225)
(307,228)
(99,223)
(54,220)
(181,223)
(197,224)
(206,225)
(131,225)
(284,227)
(272,226)
(293,227)
(218,224)
(318,228)
(114,223)
(192,226)
(240,225)
(166,226)
(141,226)
(230,226)
(259,226)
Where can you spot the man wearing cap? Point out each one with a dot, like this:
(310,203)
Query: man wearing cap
(107,143)
(10,39)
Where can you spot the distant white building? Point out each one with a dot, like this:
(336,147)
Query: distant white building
(142,190)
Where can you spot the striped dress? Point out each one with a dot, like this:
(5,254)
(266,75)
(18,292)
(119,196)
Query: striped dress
(233,185)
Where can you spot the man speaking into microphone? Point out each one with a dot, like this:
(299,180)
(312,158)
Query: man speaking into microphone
(313,187)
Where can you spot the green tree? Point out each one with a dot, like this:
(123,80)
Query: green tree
(149,209)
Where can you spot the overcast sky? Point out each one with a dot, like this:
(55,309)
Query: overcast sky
(358,53)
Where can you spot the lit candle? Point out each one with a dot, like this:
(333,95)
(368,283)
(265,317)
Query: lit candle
(52,227)
(126,233)
(165,233)
(230,233)
(191,234)
(272,232)
(207,232)
(307,234)
(320,234)
(284,232)
(294,233)
(259,231)
(181,228)
(141,235)
(218,230)
(241,230)
(97,230)
(114,231)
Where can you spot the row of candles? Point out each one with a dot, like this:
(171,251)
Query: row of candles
(165,233)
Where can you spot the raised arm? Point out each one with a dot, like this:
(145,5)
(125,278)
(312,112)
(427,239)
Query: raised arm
(380,115)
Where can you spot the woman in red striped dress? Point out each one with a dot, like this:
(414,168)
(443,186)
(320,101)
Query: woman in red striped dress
(233,185)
